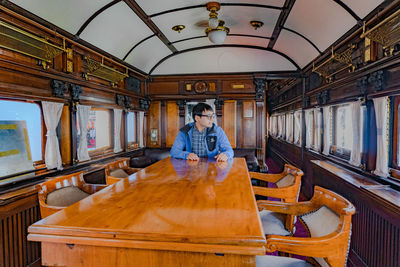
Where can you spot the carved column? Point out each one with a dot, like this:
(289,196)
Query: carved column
(260,84)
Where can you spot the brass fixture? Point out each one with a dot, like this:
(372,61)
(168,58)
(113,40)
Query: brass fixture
(256,24)
(99,70)
(336,63)
(18,40)
(178,28)
(387,32)
(216,31)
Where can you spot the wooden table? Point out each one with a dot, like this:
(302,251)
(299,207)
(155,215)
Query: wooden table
(172,213)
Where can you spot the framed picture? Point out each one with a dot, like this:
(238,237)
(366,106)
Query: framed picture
(153,135)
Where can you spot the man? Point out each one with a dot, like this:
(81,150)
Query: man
(202,138)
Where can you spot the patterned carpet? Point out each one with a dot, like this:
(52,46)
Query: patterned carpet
(300,230)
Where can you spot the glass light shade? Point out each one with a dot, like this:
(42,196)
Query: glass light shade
(217,36)
(213,23)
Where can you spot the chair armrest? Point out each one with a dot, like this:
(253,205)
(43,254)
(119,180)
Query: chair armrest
(272,178)
(299,208)
(93,188)
(308,246)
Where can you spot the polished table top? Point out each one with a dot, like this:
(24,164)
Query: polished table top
(173,200)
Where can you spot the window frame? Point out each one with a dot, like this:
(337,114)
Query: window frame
(395,133)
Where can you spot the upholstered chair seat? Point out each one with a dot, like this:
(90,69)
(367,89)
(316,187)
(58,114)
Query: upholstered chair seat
(327,218)
(276,261)
(65,196)
(287,189)
(273,223)
(119,173)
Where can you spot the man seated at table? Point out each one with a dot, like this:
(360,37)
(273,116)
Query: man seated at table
(202,138)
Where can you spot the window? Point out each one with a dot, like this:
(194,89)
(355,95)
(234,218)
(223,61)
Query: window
(99,130)
(20,136)
(342,131)
(132,129)
(396,133)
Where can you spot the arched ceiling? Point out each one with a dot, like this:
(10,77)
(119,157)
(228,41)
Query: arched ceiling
(139,32)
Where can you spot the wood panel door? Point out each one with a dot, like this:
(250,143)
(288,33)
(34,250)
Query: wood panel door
(229,121)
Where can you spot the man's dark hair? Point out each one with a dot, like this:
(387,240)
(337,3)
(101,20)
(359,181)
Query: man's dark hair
(199,108)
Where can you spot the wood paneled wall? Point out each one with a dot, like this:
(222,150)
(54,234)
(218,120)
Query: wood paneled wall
(229,121)
(172,118)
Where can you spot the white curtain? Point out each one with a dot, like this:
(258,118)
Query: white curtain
(355,156)
(279,126)
(318,129)
(274,126)
(52,114)
(289,127)
(297,127)
(327,129)
(381,114)
(117,130)
(83,118)
(141,129)
(309,127)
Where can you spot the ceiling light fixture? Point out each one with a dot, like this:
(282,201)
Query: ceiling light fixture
(216,30)
(178,28)
(256,24)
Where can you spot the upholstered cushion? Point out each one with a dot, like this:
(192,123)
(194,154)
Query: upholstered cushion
(286,180)
(273,223)
(320,223)
(119,173)
(276,261)
(65,196)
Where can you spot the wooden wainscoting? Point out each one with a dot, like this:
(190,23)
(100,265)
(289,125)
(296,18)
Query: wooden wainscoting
(18,210)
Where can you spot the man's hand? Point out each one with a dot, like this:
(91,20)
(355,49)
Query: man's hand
(192,156)
(221,157)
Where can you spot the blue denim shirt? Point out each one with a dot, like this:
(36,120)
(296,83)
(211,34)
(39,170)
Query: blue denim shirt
(215,140)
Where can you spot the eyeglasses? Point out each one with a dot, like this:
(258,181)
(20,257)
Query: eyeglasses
(210,117)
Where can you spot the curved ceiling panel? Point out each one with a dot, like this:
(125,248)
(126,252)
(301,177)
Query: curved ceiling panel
(224,59)
(240,40)
(116,30)
(296,47)
(155,6)
(147,54)
(362,7)
(236,18)
(322,21)
(68,15)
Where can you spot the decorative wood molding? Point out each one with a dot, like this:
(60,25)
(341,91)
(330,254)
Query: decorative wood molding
(260,87)
(59,88)
(219,103)
(323,97)
(144,103)
(76,91)
(378,80)
(362,85)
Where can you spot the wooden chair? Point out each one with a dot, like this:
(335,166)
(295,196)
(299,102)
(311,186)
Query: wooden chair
(327,217)
(288,188)
(117,170)
(63,191)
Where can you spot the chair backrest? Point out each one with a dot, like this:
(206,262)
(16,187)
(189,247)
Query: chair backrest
(73,180)
(292,177)
(331,217)
(117,164)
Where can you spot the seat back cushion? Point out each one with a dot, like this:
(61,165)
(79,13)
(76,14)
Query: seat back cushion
(65,196)
(320,223)
(119,173)
(286,181)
